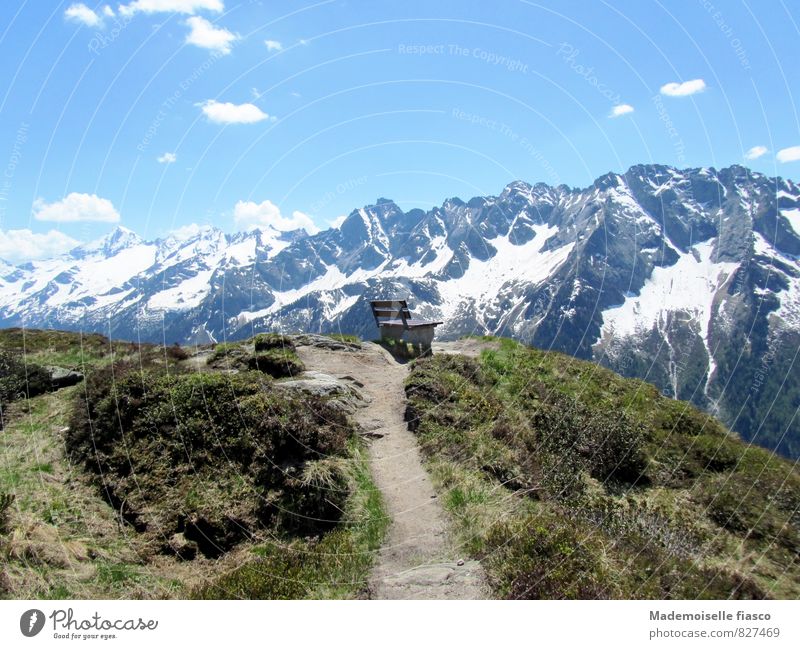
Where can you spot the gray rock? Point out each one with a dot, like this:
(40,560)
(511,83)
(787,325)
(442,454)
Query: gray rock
(324,342)
(61,377)
(325,386)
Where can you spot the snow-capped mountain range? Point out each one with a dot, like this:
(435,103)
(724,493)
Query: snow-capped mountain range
(689,279)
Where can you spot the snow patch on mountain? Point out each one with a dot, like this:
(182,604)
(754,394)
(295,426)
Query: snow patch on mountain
(690,286)
(186,295)
(793,216)
(482,281)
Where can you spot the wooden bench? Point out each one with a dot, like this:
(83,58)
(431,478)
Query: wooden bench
(394,320)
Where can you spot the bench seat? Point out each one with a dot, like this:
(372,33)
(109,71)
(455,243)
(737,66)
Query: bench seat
(409,324)
(394,321)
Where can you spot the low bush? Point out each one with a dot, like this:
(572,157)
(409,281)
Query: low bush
(212,457)
(277,362)
(265,342)
(335,566)
(609,446)
(546,557)
(6,500)
(20,380)
(176,352)
(229,353)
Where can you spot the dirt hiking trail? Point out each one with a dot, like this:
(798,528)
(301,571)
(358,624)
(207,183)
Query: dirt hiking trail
(417,560)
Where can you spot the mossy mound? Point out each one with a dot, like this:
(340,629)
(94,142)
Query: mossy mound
(270,341)
(212,458)
(21,379)
(271,357)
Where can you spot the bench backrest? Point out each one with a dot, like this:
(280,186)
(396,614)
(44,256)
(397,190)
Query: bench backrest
(384,310)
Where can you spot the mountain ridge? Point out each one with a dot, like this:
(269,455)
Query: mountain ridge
(687,278)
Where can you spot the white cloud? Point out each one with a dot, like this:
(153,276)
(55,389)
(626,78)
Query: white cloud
(755,152)
(178,6)
(273,46)
(228,113)
(337,222)
(76,207)
(186,232)
(108,11)
(789,154)
(684,89)
(167,158)
(79,12)
(204,34)
(250,215)
(18,246)
(621,109)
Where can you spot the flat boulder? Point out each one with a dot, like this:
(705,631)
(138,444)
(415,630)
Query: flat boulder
(330,388)
(61,377)
(324,342)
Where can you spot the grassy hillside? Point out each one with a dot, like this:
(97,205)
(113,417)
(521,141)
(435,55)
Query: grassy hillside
(180,473)
(569,481)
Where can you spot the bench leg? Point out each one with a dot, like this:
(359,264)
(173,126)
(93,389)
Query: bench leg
(421,338)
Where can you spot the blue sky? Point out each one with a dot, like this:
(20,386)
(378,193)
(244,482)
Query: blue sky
(156,114)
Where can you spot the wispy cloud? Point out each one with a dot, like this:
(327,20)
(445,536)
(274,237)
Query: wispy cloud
(684,89)
(621,109)
(273,46)
(187,231)
(755,152)
(789,154)
(80,13)
(337,222)
(167,158)
(228,113)
(250,215)
(172,6)
(204,34)
(76,207)
(18,246)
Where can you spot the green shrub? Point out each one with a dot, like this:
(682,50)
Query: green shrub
(265,342)
(176,352)
(335,566)
(546,557)
(6,500)
(609,446)
(19,379)
(212,457)
(294,571)
(760,501)
(226,351)
(277,362)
